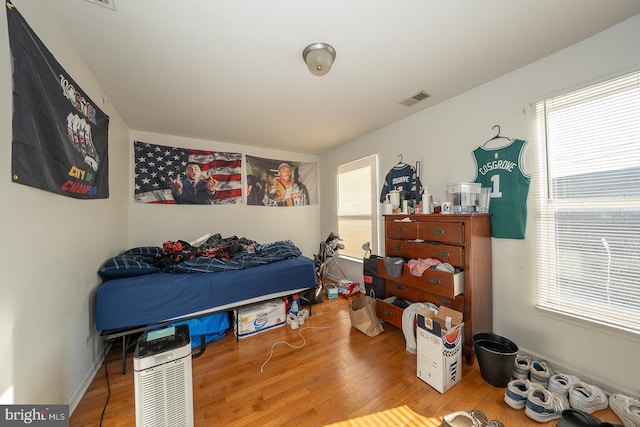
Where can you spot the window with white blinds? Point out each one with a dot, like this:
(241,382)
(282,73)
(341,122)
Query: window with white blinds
(587,202)
(357,205)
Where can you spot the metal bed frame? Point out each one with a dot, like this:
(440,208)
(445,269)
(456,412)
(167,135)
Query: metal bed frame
(109,336)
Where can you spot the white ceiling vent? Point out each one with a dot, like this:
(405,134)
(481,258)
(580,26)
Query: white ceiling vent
(109,4)
(415,98)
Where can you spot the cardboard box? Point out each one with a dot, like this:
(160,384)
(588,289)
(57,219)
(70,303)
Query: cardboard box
(259,317)
(439,347)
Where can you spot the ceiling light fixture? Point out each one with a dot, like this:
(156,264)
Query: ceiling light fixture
(319,58)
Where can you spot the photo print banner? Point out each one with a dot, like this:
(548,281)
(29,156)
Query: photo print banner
(281,182)
(172,175)
(60,137)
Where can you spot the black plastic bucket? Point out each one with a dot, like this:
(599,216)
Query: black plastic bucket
(496,356)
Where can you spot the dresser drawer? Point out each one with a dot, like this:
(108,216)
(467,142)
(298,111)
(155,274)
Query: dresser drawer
(445,232)
(389,313)
(413,294)
(401,230)
(433,281)
(454,255)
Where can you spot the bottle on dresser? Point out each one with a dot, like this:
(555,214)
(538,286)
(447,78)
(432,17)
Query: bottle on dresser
(427,201)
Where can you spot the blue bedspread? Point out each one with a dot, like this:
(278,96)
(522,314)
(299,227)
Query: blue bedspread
(147,299)
(142,260)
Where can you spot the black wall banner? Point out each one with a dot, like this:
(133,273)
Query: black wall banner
(60,137)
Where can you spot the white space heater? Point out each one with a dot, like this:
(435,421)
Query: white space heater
(162,378)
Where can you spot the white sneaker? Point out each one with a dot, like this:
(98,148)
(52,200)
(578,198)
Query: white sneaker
(517,393)
(543,405)
(627,408)
(473,418)
(521,366)
(292,320)
(560,383)
(302,316)
(587,397)
(540,372)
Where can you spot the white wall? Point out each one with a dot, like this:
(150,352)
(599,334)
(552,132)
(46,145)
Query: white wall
(49,348)
(443,137)
(155,224)
(52,247)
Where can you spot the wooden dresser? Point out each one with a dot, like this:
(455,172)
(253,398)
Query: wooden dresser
(462,240)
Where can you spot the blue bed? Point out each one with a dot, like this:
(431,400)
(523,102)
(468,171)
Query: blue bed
(139,294)
(148,299)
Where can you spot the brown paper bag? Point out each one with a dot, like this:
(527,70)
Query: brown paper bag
(362,312)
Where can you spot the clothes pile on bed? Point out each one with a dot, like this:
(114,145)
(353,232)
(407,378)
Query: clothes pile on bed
(215,254)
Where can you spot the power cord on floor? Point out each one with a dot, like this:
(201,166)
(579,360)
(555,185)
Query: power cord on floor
(106,349)
(301,336)
(106,374)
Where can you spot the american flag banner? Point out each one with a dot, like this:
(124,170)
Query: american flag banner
(158,168)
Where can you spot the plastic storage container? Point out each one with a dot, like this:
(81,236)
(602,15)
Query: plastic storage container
(464,196)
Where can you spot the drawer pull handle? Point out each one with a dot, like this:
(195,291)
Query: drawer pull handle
(437,231)
(445,301)
(401,229)
(397,247)
(435,281)
(444,254)
(399,286)
(387,313)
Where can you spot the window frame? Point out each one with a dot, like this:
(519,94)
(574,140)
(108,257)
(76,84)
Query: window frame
(585,209)
(369,161)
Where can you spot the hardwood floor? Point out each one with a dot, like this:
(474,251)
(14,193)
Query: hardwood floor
(336,376)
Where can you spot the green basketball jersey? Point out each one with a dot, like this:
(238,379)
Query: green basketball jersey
(502,170)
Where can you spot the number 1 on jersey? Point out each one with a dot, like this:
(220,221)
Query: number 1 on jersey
(495,186)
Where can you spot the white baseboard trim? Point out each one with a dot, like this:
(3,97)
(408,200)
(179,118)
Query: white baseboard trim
(82,388)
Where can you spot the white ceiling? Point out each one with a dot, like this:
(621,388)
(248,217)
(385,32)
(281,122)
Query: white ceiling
(232,70)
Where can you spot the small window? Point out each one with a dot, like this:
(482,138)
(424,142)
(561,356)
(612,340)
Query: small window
(357,205)
(587,203)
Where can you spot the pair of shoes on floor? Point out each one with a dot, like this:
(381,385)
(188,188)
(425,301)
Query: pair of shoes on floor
(560,383)
(517,392)
(586,397)
(524,367)
(539,403)
(578,418)
(627,408)
(543,405)
(583,396)
(297,320)
(473,418)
